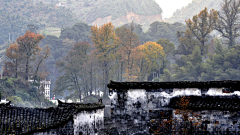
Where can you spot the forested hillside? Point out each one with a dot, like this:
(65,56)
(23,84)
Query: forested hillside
(15,16)
(122,11)
(194,8)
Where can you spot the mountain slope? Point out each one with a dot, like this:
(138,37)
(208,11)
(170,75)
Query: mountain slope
(117,11)
(194,8)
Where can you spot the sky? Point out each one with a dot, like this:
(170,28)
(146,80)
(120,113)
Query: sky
(170,6)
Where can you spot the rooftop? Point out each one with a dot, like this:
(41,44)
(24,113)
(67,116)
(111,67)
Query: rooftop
(20,120)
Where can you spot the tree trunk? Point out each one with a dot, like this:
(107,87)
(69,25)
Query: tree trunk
(91,84)
(26,72)
(16,65)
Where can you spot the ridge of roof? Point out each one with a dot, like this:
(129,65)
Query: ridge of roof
(176,84)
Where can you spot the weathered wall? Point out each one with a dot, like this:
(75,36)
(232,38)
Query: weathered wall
(130,110)
(89,122)
(66,129)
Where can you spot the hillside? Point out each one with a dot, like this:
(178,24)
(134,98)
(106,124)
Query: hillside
(194,8)
(118,12)
(15,15)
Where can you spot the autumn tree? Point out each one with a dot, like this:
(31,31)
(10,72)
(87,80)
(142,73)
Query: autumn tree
(201,25)
(128,40)
(13,54)
(149,57)
(28,46)
(25,57)
(228,23)
(105,43)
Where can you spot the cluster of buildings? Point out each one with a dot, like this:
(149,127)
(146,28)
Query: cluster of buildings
(141,108)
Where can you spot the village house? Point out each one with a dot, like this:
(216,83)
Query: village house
(143,107)
(65,119)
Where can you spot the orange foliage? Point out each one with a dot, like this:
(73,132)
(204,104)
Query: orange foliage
(22,52)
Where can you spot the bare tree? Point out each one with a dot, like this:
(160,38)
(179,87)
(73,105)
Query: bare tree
(228,23)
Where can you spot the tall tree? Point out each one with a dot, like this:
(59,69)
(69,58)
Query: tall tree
(105,42)
(228,23)
(201,25)
(72,67)
(128,40)
(41,56)
(28,46)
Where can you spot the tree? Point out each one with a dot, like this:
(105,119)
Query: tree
(78,32)
(72,67)
(187,42)
(13,54)
(41,56)
(196,57)
(149,57)
(105,43)
(201,25)
(128,40)
(28,46)
(168,46)
(228,23)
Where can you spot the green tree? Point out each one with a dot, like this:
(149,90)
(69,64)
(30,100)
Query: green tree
(196,57)
(168,46)
(163,30)
(187,42)
(78,32)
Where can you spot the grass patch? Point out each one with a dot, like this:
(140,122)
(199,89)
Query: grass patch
(51,31)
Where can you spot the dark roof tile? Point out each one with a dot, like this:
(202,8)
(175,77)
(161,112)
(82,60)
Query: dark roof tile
(19,120)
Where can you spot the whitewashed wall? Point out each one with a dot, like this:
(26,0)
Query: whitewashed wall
(87,121)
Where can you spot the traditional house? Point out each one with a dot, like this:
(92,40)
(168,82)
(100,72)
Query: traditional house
(46,87)
(146,107)
(66,119)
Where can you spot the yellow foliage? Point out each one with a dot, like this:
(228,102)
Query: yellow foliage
(148,57)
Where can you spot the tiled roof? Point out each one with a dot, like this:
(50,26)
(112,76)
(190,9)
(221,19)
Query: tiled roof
(178,84)
(19,120)
(230,103)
